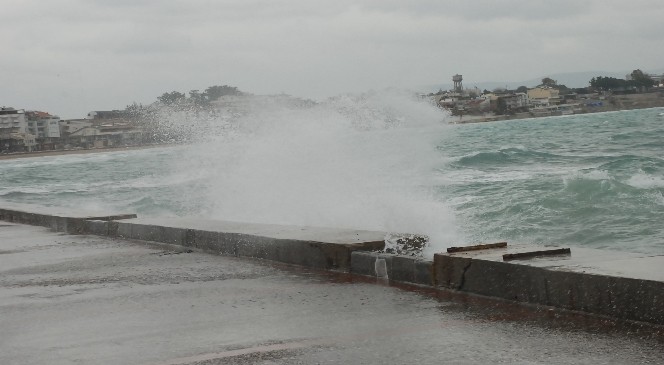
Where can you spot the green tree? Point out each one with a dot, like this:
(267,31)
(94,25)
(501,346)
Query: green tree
(197,97)
(213,93)
(171,98)
(522,89)
(547,81)
(607,83)
(640,79)
(501,106)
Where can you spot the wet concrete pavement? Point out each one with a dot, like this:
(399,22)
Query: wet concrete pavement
(91,300)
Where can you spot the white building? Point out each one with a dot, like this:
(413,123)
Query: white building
(520,100)
(74,125)
(43,125)
(14,135)
(12,121)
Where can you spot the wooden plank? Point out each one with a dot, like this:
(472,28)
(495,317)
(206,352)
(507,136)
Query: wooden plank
(484,246)
(531,254)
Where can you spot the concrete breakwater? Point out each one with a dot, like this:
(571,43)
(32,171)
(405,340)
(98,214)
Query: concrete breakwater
(619,285)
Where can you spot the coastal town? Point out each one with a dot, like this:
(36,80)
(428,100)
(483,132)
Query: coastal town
(470,105)
(24,131)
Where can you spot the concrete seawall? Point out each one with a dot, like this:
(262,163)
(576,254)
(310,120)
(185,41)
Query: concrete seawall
(58,220)
(620,285)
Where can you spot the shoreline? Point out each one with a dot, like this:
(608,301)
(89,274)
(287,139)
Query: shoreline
(16,155)
(469,118)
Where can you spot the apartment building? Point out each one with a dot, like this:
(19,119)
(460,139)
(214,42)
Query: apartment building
(14,134)
(43,125)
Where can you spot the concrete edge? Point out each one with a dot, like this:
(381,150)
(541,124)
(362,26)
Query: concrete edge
(320,255)
(611,296)
(404,269)
(63,223)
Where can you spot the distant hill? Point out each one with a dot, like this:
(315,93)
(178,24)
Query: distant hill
(569,79)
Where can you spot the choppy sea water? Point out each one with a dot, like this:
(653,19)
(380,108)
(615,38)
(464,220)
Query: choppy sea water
(594,180)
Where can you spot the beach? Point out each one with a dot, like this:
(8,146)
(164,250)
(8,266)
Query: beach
(81,151)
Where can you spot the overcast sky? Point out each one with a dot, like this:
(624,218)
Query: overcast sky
(69,57)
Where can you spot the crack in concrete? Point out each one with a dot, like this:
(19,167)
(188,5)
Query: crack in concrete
(463,275)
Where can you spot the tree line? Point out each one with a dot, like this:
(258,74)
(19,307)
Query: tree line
(638,79)
(196,97)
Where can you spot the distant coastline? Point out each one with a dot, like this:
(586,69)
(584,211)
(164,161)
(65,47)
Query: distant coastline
(15,155)
(625,103)
(465,119)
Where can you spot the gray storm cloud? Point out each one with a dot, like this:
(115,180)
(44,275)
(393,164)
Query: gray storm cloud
(72,56)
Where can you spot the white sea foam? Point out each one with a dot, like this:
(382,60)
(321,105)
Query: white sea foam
(597,175)
(644,181)
(23,190)
(658,198)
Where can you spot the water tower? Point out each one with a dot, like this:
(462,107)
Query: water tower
(458,86)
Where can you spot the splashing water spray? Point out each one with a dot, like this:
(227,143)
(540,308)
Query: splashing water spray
(363,161)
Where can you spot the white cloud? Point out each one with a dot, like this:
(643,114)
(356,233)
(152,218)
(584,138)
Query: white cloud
(72,56)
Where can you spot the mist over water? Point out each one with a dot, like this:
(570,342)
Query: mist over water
(356,161)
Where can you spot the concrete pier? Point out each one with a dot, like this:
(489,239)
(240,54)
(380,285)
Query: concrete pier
(619,285)
(317,247)
(86,299)
(57,219)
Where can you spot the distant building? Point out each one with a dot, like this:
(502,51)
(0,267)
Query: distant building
(72,126)
(43,125)
(658,79)
(543,96)
(518,101)
(106,114)
(509,102)
(12,121)
(14,135)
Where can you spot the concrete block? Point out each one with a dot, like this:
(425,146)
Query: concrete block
(96,227)
(641,300)
(176,236)
(75,225)
(403,269)
(509,281)
(292,251)
(618,297)
(409,269)
(113,228)
(449,270)
(364,263)
(153,233)
(251,246)
(57,224)
(124,230)
(338,256)
(626,298)
(423,272)
(211,241)
(305,253)
(491,278)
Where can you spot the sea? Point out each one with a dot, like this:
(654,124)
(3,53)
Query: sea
(381,161)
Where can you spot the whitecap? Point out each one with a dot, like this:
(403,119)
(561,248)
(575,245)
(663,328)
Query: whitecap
(644,181)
